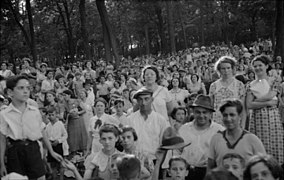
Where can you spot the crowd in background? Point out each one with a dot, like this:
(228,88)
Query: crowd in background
(84,102)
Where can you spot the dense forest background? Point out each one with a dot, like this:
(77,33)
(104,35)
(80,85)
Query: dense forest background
(59,31)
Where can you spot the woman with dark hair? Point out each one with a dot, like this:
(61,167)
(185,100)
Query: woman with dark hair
(5,72)
(263,167)
(162,100)
(178,94)
(77,135)
(227,86)
(262,99)
(196,86)
(96,122)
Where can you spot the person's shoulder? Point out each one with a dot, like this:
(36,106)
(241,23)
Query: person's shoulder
(217,126)
(186,127)
(251,137)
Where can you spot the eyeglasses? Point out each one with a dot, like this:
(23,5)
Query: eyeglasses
(98,123)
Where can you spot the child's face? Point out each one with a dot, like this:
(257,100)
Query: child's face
(119,107)
(178,170)
(52,116)
(234,166)
(127,139)
(78,76)
(108,141)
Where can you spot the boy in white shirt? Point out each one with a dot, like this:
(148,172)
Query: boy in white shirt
(57,135)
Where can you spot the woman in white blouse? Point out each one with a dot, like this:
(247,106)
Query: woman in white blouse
(162,100)
(96,122)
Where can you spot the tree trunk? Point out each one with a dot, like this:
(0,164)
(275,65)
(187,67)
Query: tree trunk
(161,31)
(201,26)
(171,26)
(67,27)
(84,33)
(105,22)
(147,40)
(279,30)
(32,33)
(183,29)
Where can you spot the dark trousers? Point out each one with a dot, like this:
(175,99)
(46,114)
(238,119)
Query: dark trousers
(24,157)
(58,149)
(196,173)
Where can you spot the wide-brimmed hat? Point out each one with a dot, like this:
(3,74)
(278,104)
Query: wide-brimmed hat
(142,91)
(171,140)
(204,102)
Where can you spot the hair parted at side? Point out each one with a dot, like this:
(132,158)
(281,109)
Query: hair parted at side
(12,81)
(232,103)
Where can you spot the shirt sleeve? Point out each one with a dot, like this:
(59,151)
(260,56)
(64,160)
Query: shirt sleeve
(3,125)
(64,134)
(257,145)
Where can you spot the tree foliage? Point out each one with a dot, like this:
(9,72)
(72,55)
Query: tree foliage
(62,31)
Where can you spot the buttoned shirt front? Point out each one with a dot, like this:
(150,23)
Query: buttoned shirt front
(56,131)
(149,131)
(196,153)
(19,125)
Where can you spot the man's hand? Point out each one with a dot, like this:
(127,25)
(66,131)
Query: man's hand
(56,156)
(3,171)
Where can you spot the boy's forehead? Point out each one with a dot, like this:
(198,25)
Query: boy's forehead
(23,82)
(107,134)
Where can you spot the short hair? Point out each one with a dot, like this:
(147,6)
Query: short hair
(194,75)
(271,163)
(153,68)
(175,110)
(128,166)
(109,128)
(117,101)
(235,156)
(220,174)
(225,59)
(51,109)
(232,103)
(12,81)
(100,100)
(178,159)
(130,129)
(264,59)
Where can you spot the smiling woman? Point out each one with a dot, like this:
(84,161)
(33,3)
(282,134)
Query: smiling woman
(262,99)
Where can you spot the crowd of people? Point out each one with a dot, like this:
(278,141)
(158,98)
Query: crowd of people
(203,113)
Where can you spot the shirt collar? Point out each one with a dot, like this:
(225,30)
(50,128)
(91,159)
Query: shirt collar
(11,107)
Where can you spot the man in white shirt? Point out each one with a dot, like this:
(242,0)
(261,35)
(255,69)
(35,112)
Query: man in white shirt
(148,124)
(199,133)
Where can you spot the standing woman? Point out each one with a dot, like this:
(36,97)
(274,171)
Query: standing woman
(77,135)
(262,100)
(227,86)
(88,108)
(162,100)
(178,94)
(96,122)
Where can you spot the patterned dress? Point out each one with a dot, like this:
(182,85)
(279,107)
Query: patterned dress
(265,122)
(220,93)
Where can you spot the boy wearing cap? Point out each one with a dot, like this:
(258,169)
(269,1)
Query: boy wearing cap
(21,125)
(199,132)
